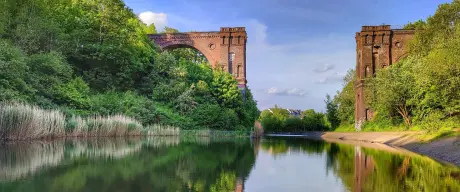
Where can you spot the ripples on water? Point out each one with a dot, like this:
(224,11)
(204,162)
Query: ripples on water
(205,164)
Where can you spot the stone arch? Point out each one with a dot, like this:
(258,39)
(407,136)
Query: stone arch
(216,46)
(208,55)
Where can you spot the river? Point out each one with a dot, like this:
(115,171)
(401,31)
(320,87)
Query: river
(207,164)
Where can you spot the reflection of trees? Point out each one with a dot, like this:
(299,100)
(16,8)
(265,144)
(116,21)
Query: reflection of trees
(281,146)
(143,165)
(363,169)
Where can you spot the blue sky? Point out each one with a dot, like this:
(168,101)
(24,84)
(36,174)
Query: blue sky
(298,50)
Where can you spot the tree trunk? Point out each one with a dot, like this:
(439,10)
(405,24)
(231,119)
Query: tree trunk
(402,110)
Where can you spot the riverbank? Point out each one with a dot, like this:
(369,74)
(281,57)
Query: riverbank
(445,149)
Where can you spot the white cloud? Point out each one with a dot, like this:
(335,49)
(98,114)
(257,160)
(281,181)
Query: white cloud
(323,68)
(159,19)
(332,78)
(287,92)
(291,64)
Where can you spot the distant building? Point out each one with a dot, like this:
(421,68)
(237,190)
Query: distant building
(295,112)
(292,112)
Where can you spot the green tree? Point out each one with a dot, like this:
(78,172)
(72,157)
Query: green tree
(170,30)
(13,72)
(150,29)
(224,87)
(331,112)
(345,99)
(74,94)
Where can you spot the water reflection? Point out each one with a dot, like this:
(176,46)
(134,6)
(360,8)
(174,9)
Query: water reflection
(365,169)
(206,164)
(134,164)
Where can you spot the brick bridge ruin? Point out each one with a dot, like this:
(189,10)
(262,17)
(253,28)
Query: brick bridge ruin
(225,48)
(376,47)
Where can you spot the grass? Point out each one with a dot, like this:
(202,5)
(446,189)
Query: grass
(19,121)
(161,130)
(444,133)
(214,133)
(345,128)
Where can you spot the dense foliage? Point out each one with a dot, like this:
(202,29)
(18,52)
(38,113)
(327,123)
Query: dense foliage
(94,57)
(422,90)
(280,120)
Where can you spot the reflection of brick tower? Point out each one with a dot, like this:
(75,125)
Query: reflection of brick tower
(364,165)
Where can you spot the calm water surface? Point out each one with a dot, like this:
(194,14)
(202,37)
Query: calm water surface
(192,164)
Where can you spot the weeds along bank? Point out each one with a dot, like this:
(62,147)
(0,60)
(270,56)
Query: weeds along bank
(23,122)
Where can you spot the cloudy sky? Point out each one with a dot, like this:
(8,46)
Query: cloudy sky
(298,50)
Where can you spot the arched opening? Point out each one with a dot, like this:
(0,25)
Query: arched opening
(187,52)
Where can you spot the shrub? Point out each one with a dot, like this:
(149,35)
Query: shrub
(272,124)
(293,124)
(128,103)
(74,94)
(433,122)
(214,117)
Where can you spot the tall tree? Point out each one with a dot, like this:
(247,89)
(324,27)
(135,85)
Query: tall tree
(331,112)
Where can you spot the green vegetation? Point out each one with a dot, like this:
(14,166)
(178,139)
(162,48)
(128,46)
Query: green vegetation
(420,92)
(279,120)
(93,58)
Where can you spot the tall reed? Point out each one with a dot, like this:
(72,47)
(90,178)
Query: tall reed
(19,121)
(98,126)
(161,130)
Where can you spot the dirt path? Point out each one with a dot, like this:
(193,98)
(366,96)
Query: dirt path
(445,149)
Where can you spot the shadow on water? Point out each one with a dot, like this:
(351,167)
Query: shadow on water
(205,164)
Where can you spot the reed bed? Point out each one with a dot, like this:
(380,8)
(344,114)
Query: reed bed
(200,133)
(161,130)
(98,126)
(19,121)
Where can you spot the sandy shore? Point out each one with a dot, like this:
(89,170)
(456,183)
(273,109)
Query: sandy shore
(445,149)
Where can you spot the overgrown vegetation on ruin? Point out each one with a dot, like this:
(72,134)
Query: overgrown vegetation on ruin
(421,92)
(88,58)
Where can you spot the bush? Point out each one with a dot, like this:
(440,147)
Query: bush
(293,124)
(127,103)
(74,94)
(212,116)
(272,124)
(433,122)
